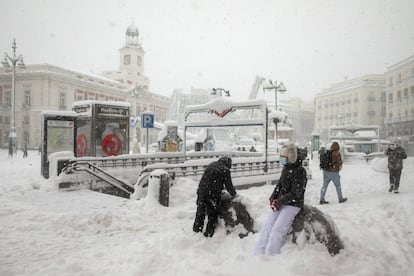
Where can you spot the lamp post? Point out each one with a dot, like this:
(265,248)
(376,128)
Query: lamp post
(15,60)
(277,88)
(136,94)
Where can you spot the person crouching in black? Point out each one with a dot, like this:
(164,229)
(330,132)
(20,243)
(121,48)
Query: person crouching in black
(216,177)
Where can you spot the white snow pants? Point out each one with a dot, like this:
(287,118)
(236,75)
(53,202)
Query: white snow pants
(274,230)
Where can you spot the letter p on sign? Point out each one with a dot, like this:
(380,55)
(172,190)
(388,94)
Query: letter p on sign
(147,120)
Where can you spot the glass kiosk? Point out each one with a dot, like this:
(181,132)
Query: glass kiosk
(58,134)
(102,128)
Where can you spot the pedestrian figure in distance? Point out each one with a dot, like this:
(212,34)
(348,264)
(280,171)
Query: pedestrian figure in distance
(216,177)
(286,201)
(395,154)
(25,151)
(331,164)
(10,149)
(321,151)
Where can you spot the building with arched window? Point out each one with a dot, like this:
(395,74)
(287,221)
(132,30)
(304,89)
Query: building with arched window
(48,87)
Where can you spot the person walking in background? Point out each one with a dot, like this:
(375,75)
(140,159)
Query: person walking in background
(286,201)
(395,154)
(331,173)
(25,151)
(216,177)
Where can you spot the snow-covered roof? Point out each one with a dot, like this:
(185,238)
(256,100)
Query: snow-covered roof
(220,107)
(59,113)
(88,102)
(221,104)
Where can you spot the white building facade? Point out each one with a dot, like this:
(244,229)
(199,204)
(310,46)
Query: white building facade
(399,119)
(359,101)
(47,87)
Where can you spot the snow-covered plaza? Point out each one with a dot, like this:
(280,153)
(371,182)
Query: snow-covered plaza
(44,231)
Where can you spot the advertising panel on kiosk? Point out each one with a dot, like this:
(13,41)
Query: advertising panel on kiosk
(58,135)
(103,128)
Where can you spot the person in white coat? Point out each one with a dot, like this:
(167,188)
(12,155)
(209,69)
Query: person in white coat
(286,201)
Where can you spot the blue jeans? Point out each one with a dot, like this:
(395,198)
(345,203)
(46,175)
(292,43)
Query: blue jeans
(336,179)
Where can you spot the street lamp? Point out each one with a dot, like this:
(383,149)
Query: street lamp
(220,90)
(277,88)
(136,93)
(19,61)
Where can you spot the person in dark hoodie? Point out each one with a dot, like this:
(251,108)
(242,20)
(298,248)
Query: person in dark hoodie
(286,201)
(395,154)
(216,177)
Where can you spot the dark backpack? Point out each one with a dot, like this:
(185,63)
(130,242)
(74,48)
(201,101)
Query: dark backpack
(326,160)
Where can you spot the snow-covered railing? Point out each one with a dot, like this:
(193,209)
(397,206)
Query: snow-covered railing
(247,168)
(142,160)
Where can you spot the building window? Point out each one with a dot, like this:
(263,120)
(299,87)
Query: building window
(390,81)
(399,96)
(390,98)
(62,100)
(406,93)
(139,60)
(7,99)
(26,120)
(127,59)
(27,97)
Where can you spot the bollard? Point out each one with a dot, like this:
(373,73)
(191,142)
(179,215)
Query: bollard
(164,194)
(159,187)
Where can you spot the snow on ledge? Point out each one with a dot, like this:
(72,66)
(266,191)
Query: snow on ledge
(222,104)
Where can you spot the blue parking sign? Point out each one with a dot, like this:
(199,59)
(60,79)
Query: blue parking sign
(147,120)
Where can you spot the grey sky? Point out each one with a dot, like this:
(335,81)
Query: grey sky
(306,44)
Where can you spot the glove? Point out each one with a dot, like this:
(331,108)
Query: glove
(274,204)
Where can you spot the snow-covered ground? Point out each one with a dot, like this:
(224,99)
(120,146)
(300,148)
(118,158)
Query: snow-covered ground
(44,231)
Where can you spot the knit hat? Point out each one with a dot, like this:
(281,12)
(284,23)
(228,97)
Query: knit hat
(284,151)
(292,153)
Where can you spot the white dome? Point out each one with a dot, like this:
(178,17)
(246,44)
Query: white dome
(132,30)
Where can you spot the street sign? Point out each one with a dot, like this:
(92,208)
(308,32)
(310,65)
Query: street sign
(147,120)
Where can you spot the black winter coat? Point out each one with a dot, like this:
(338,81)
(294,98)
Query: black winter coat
(290,189)
(395,157)
(216,177)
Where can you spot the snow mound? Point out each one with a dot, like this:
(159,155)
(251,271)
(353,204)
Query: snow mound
(380,164)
